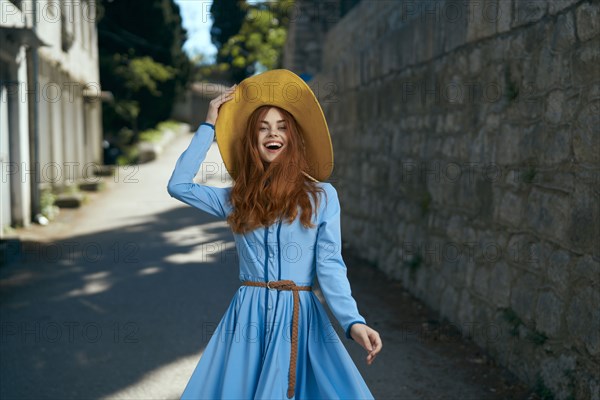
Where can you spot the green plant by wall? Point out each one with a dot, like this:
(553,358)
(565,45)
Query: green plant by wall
(541,389)
(511,317)
(537,337)
(414,262)
(529,174)
(425,203)
(511,88)
(129,157)
(47,200)
(168,124)
(151,135)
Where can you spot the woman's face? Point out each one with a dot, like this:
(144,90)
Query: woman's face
(272,135)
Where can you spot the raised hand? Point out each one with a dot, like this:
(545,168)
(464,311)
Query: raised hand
(213,106)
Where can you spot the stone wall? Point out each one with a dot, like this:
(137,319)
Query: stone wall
(467,158)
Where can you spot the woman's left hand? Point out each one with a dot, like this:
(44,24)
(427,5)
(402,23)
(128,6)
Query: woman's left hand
(368,338)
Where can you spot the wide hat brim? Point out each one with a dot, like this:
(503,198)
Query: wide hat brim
(285,89)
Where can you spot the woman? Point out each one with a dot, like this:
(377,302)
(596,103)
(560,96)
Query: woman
(275,340)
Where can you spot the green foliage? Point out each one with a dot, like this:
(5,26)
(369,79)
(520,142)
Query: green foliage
(168,124)
(130,156)
(227,16)
(414,262)
(511,88)
(144,73)
(529,174)
(537,337)
(513,320)
(141,62)
(425,203)
(542,390)
(47,207)
(259,41)
(151,135)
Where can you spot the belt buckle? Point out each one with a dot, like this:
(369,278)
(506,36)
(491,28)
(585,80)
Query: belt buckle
(269,287)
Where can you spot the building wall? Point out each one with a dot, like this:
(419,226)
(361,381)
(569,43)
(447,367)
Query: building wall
(69,130)
(467,161)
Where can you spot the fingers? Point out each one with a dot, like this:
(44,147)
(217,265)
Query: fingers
(228,95)
(375,344)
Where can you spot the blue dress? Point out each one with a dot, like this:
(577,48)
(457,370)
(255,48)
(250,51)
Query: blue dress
(248,356)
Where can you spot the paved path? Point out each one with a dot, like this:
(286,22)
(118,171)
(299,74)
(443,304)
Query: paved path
(120,297)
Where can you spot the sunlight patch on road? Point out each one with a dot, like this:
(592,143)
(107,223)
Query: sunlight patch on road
(202,243)
(149,271)
(165,382)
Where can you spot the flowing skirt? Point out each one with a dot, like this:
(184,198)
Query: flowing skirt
(248,357)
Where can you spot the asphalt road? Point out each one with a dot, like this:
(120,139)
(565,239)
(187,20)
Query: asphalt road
(117,299)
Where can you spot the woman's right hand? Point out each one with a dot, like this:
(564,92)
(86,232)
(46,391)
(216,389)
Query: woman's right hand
(213,107)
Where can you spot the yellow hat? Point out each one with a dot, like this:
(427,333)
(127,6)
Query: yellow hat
(285,89)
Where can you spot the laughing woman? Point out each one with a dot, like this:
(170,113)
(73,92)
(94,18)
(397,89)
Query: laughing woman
(275,339)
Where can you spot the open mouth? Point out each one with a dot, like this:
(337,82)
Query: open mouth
(273,147)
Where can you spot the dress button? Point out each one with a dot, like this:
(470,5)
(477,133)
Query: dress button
(269,307)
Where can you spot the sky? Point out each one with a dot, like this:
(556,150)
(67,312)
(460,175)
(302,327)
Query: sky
(197,21)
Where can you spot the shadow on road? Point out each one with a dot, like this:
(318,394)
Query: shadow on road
(88,316)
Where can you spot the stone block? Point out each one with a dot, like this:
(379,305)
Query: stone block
(557,375)
(588,21)
(481,21)
(558,271)
(504,15)
(548,314)
(585,61)
(586,141)
(528,11)
(475,60)
(553,71)
(92,186)
(500,284)
(510,209)
(508,144)
(522,251)
(448,303)
(104,170)
(69,200)
(562,37)
(457,28)
(584,220)
(586,270)
(465,312)
(148,152)
(583,318)
(556,145)
(554,107)
(556,6)
(483,146)
(548,214)
(481,280)
(523,296)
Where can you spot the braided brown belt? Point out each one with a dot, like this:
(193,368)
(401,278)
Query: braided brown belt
(287,285)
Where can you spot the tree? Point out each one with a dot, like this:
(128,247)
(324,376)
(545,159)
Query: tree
(259,41)
(141,62)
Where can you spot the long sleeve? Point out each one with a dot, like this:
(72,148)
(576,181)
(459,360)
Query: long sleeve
(213,200)
(331,269)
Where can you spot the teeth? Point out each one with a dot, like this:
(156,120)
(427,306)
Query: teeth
(273,144)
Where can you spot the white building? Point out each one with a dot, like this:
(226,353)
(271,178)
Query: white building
(50,110)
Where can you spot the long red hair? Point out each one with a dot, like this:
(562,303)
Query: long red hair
(262,192)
